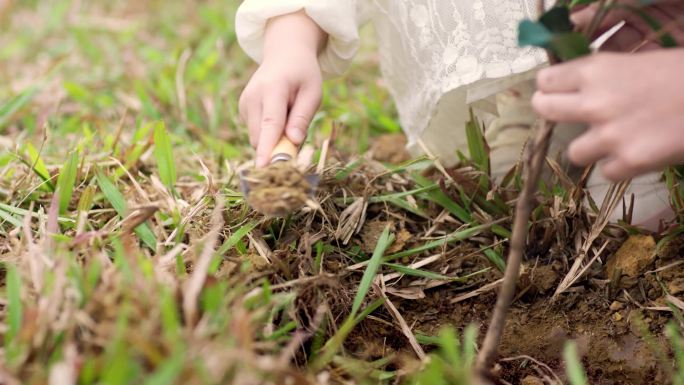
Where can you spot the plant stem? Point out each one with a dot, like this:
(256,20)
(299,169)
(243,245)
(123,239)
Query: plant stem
(534,161)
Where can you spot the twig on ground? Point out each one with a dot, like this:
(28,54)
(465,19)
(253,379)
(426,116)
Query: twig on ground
(539,363)
(405,329)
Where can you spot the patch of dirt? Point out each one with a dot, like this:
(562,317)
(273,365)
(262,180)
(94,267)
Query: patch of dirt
(390,148)
(371,231)
(609,333)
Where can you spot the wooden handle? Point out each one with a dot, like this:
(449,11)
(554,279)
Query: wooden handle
(284,150)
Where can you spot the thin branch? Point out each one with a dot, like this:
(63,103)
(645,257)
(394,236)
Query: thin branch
(534,160)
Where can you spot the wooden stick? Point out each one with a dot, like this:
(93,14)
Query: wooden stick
(533,162)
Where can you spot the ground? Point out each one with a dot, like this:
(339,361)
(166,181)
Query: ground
(129,254)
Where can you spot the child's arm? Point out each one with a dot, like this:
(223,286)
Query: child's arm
(285,92)
(295,41)
(632,104)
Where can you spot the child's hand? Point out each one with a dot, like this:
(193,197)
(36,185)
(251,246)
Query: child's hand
(633,105)
(284,93)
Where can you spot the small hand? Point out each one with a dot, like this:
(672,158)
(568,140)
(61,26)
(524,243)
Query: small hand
(284,93)
(631,102)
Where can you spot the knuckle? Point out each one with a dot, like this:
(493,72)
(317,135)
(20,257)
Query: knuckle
(574,154)
(300,120)
(590,110)
(633,159)
(268,121)
(608,136)
(545,79)
(537,101)
(611,172)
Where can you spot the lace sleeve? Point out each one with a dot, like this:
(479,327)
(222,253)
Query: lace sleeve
(340,19)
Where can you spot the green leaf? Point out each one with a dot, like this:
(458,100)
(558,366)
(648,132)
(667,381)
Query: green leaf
(531,33)
(442,199)
(8,217)
(419,273)
(236,237)
(164,155)
(568,46)
(66,180)
(14,306)
(573,366)
(168,371)
(496,259)
(38,166)
(118,202)
(384,242)
(115,198)
(557,20)
(453,237)
(7,110)
(477,145)
(85,203)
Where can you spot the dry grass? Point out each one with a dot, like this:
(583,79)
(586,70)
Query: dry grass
(130,256)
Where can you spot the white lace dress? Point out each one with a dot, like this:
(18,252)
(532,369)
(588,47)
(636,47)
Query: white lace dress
(440,57)
(437,56)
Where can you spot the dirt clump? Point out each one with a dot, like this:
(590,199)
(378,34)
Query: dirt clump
(633,257)
(390,148)
(532,380)
(278,189)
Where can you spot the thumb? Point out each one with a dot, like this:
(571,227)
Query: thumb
(306,103)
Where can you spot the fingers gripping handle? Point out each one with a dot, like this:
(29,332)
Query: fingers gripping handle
(284,150)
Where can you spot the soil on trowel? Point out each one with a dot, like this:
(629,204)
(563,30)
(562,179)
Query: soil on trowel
(278,189)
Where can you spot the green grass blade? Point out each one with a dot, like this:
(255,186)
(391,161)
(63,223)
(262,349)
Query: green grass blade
(24,212)
(443,200)
(403,204)
(496,259)
(113,195)
(335,342)
(388,197)
(168,371)
(476,144)
(146,235)
(454,237)
(8,109)
(384,242)
(469,345)
(450,346)
(14,306)
(118,202)
(573,366)
(236,237)
(164,155)
(38,166)
(66,181)
(418,273)
(8,217)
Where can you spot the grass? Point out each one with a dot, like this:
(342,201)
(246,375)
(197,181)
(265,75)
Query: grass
(129,256)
